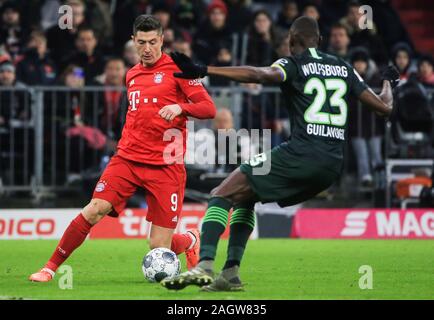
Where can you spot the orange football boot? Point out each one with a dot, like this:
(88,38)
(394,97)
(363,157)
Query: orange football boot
(44,275)
(192,254)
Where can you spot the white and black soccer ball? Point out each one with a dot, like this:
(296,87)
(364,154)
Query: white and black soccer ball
(160,263)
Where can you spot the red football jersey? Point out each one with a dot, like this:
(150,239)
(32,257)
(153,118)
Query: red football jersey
(149,90)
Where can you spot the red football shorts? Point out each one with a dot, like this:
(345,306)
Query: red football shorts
(164,186)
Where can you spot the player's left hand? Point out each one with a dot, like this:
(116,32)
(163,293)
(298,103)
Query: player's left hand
(190,69)
(391,74)
(170,112)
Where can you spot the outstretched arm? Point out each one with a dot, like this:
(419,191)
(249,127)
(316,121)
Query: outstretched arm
(249,74)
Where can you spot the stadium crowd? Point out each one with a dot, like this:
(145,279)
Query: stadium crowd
(98,50)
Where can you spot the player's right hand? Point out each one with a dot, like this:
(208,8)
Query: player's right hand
(190,69)
(170,112)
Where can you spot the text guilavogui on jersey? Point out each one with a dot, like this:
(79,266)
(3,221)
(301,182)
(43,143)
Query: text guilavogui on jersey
(320,123)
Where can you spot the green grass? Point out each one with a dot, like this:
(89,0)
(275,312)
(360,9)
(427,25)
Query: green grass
(272,269)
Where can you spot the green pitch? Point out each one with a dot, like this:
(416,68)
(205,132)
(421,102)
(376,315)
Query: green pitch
(272,269)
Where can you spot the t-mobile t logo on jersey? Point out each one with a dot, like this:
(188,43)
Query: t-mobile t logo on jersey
(355,224)
(134,99)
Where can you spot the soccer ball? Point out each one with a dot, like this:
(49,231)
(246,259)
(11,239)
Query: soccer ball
(160,263)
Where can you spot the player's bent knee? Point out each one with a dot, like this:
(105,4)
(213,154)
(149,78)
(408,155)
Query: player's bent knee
(218,192)
(96,210)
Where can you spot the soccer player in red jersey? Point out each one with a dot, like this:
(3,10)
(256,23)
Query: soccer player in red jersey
(146,156)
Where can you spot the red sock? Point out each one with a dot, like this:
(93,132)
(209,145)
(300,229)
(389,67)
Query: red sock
(181,242)
(72,238)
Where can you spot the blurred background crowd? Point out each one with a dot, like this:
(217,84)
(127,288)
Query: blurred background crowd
(98,50)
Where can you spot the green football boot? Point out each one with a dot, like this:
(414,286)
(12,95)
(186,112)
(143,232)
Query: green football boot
(197,276)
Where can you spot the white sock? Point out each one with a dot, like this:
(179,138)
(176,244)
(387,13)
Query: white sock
(49,271)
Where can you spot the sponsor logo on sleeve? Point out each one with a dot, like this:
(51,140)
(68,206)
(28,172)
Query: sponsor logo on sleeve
(195,82)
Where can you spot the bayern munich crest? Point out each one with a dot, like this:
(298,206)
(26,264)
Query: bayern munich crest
(100,186)
(158,77)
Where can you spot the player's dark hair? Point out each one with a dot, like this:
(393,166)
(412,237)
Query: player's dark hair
(146,23)
(305,32)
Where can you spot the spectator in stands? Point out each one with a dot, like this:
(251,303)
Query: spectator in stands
(213,33)
(188,14)
(339,41)
(4,123)
(388,22)
(260,111)
(365,130)
(226,162)
(425,68)
(71,106)
(130,55)
(86,54)
(282,47)
(239,15)
(73,77)
(8,76)
(164,14)
(15,113)
(111,112)
(39,14)
(98,13)
(332,11)
(402,59)
(228,155)
(36,66)
(287,15)
(170,30)
(12,34)
(72,121)
(74,101)
(183,46)
(12,104)
(223,59)
(262,40)
(61,42)
(278,116)
(169,38)
(4,54)
(364,37)
(104,113)
(311,9)
(365,66)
